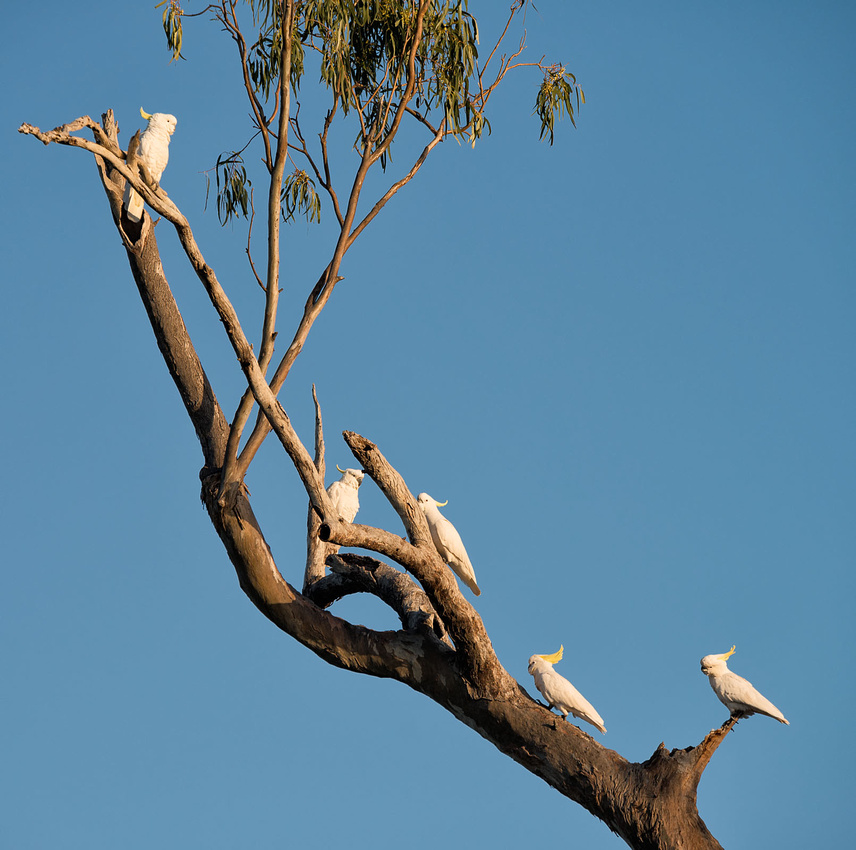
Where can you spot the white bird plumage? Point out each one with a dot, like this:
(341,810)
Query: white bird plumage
(559,692)
(737,694)
(448,542)
(152,156)
(344,493)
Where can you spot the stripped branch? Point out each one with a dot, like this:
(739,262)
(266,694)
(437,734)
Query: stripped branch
(316,549)
(353,573)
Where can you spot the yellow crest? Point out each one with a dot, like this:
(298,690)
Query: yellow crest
(556,656)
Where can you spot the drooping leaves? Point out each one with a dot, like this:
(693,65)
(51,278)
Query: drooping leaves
(264,60)
(233,187)
(555,97)
(376,58)
(365,48)
(172,15)
(299,196)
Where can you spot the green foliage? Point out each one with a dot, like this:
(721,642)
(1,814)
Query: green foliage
(365,47)
(172,15)
(264,59)
(232,187)
(452,54)
(299,196)
(376,60)
(555,97)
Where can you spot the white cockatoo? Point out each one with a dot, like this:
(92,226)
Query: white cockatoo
(738,695)
(559,692)
(152,156)
(448,542)
(344,493)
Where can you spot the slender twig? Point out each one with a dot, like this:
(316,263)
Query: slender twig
(323,137)
(249,239)
(514,11)
(385,104)
(238,37)
(438,137)
(324,182)
(364,133)
(421,118)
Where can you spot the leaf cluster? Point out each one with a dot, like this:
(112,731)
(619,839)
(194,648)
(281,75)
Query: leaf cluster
(555,97)
(365,55)
(265,54)
(378,59)
(172,16)
(299,196)
(233,184)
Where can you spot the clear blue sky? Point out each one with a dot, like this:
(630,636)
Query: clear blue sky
(626,360)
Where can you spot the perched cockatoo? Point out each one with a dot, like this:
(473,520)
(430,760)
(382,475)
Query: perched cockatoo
(152,156)
(559,692)
(343,493)
(738,695)
(448,542)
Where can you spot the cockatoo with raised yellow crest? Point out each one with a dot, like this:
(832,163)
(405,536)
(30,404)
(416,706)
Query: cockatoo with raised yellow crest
(559,692)
(344,493)
(152,156)
(448,542)
(738,695)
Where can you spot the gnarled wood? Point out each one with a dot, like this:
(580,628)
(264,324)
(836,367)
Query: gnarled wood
(442,649)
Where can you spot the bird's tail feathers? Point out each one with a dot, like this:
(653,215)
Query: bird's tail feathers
(133,203)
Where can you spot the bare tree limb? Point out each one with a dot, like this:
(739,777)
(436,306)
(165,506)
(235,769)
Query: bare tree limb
(316,549)
(438,137)
(171,333)
(353,573)
(476,657)
(383,654)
